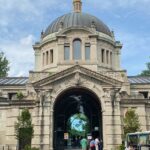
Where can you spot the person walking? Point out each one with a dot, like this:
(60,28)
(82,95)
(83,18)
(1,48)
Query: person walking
(83,143)
(130,147)
(101,145)
(92,144)
(97,142)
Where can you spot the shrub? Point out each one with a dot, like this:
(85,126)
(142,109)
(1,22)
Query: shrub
(20,95)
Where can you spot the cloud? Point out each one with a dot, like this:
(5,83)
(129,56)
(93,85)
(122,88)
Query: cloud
(20,55)
(109,4)
(21,22)
(27,41)
(28,9)
(135,52)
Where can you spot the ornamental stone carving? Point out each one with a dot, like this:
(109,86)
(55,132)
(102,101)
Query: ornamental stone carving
(31,93)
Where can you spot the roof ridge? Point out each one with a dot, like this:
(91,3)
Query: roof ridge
(12,77)
(138,76)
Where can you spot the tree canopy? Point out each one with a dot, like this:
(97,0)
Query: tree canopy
(147,71)
(4,68)
(24,129)
(131,122)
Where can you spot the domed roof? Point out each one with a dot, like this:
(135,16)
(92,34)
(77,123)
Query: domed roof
(77,19)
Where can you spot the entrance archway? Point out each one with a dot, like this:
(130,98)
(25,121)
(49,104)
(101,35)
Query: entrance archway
(76,102)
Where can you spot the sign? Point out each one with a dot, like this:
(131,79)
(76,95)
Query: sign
(96,128)
(89,137)
(66,136)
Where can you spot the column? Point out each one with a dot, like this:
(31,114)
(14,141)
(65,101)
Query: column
(60,51)
(117,59)
(50,56)
(83,51)
(104,131)
(37,60)
(51,130)
(71,52)
(109,63)
(100,56)
(93,49)
(111,59)
(44,60)
(117,55)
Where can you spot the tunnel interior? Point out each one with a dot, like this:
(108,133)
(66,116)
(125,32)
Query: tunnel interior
(71,103)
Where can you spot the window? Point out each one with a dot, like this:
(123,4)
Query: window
(11,95)
(107,57)
(87,52)
(144,93)
(47,53)
(77,49)
(51,56)
(102,56)
(66,53)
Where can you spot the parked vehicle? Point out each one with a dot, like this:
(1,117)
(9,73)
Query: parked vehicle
(139,140)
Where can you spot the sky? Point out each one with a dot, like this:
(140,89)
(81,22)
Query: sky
(21,22)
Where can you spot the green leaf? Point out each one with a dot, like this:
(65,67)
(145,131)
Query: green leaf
(24,127)
(4,68)
(131,122)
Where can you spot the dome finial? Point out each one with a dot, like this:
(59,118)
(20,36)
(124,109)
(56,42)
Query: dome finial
(77,4)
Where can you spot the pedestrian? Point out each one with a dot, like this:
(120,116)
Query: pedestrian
(83,143)
(130,147)
(97,142)
(92,144)
(101,145)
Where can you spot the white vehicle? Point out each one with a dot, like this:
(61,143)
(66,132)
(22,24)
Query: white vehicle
(139,140)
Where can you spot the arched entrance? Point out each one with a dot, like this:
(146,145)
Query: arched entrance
(82,109)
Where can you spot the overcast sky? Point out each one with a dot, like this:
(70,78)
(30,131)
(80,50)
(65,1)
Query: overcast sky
(21,22)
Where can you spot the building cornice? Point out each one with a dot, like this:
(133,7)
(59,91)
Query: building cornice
(30,103)
(134,101)
(81,70)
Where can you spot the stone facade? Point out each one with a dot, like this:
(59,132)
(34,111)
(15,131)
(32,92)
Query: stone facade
(101,75)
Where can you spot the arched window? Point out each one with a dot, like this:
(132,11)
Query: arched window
(77,49)
(87,51)
(102,56)
(66,52)
(51,56)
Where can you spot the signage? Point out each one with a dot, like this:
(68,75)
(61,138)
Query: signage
(66,136)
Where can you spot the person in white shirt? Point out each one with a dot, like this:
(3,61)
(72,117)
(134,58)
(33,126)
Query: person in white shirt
(130,147)
(97,144)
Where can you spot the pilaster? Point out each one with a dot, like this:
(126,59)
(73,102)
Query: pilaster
(38,59)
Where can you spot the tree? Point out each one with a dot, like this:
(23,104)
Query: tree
(147,71)
(4,68)
(20,95)
(131,122)
(24,129)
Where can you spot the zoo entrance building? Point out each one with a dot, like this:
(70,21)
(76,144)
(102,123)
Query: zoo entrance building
(77,70)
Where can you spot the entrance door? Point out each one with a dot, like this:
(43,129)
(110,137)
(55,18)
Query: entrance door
(77,114)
